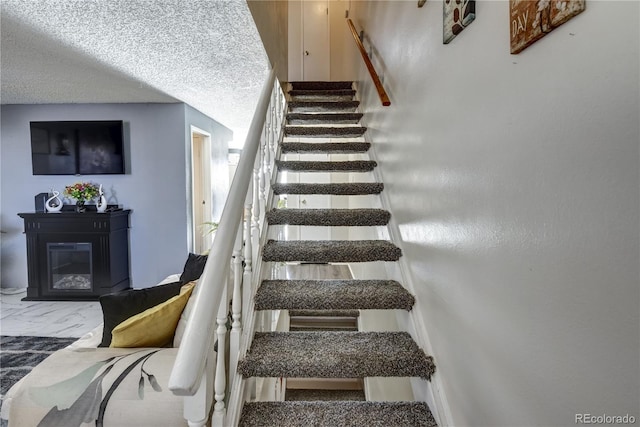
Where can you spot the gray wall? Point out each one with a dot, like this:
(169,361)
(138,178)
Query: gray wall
(155,187)
(514,185)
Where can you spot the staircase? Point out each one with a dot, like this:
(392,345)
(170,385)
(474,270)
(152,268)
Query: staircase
(318,111)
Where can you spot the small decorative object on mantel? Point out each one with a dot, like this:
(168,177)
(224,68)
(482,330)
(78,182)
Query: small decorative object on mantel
(101,204)
(82,192)
(456,16)
(533,19)
(53,203)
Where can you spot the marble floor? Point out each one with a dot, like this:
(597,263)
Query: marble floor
(47,318)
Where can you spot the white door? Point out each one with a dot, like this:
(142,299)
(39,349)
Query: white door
(315,40)
(201,192)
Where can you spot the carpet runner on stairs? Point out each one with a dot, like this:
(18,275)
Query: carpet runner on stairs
(330,251)
(332,294)
(335,355)
(346,413)
(345,166)
(323,94)
(341,189)
(323,118)
(325,147)
(323,106)
(324,131)
(329,217)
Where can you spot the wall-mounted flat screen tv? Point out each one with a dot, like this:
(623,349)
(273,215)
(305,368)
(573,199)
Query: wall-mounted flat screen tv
(77,148)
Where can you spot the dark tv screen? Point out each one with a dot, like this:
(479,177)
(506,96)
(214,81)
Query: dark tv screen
(77,148)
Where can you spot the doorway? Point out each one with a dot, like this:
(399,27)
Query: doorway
(201,191)
(320,43)
(316,63)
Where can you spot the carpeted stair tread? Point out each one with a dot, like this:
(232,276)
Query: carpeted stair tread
(321,85)
(322,106)
(329,217)
(344,189)
(325,147)
(337,414)
(322,95)
(332,294)
(320,118)
(330,251)
(311,166)
(335,355)
(292,395)
(324,313)
(324,131)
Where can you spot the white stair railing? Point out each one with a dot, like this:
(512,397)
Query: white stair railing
(200,374)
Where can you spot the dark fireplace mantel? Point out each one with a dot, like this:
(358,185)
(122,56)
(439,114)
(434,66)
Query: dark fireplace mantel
(76,256)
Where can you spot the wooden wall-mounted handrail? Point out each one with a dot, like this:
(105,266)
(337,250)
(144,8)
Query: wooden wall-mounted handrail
(374,76)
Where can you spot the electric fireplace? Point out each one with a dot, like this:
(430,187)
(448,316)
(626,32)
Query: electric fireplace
(69,266)
(76,256)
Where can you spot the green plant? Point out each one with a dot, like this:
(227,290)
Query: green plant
(210,226)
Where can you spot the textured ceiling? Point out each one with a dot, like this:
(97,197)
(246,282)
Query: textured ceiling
(206,53)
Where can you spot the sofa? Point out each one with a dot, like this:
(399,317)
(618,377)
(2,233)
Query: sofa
(122,383)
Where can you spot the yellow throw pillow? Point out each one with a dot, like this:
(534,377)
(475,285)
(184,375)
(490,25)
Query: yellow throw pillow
(153,327)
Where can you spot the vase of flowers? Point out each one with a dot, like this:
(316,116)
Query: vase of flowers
(82,192)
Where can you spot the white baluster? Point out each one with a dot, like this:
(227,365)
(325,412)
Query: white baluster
(262,179)
(236,304)
(220,382)
(250,223)
(274,129)
(266,175)
(255,225)
(247,250)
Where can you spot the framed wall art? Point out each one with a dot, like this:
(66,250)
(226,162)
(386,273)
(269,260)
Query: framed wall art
(457,14)
(533,19)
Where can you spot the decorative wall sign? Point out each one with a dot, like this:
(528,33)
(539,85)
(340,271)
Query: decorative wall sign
(533,19)
(457,14)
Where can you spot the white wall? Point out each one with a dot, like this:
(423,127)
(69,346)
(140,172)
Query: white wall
(514,184)
(155,189)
